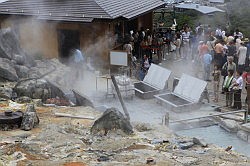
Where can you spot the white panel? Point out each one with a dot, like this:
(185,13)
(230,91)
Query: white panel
(190,87)
(119,58)
(157,76)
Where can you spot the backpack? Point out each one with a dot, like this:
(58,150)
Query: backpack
(224,70)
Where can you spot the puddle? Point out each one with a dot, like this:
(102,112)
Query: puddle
(216,135)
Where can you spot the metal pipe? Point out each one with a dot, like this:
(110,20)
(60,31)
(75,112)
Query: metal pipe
(225,113)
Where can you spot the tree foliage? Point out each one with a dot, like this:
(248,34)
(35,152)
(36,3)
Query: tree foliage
(236,15)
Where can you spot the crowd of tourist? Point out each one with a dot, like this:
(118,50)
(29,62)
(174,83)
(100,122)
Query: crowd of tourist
(221,54)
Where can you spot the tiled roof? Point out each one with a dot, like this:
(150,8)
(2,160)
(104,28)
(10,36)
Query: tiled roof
(200,8)
(78,10)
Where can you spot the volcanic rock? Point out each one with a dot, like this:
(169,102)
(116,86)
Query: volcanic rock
(30,118)
(7,70)
(19,59)
(6,92)
(22,71)
(111,119)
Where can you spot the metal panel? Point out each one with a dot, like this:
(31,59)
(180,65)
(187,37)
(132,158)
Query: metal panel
(145,91)
(190,87)
(157,76)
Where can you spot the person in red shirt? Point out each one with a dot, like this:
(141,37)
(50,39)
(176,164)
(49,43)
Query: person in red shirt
(246,78)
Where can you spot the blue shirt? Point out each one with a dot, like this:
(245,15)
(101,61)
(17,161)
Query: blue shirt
(207,59)
(78,56)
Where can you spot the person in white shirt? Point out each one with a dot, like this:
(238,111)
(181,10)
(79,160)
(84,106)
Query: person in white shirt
(185,43)
(242,53)
(236,88)
(238,34)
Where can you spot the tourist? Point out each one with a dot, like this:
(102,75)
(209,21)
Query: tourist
(216,82)
(227,83)
(231,50)
(218,56)
(229,65)
(145,64)
(242,53)
(246,78)
(207,60)
(78,63)
(210,45)
(238,34)
(247,43)
(236,88)
(185,42)
(177,43)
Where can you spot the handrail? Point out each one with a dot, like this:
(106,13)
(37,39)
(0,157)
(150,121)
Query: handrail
(219,114)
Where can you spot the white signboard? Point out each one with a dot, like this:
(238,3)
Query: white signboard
(119,58)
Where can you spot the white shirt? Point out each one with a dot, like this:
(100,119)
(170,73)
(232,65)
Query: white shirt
(146,63)
(239,81)
(242,55)
(239,35)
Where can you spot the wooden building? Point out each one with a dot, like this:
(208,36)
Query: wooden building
(51,28)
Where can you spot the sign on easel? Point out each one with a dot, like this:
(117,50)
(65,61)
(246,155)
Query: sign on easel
(119,58)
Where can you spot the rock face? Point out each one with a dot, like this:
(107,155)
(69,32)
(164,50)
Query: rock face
(111,119)
(19,59)
(22,71)
(5,92)
(10,48)
(30,118)
(37,89)
(7,70)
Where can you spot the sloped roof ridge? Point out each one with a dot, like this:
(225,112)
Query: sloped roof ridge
(98,4)
(120,8)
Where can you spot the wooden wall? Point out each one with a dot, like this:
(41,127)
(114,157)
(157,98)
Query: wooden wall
(39,38)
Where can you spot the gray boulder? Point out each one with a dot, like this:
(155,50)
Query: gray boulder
(112,119)
(19,59)
(23,99)
(9,43)
(10,48)
(5,92)
(32,88)
(7,70)
(200,141)
(30,118)
(22,71)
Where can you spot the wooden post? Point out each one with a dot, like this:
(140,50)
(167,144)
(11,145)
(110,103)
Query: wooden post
(165,119)
(120,97)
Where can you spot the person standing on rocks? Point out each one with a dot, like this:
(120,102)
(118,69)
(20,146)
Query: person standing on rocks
(207,60)
(78,63)
(218,57)
(246,78)
(226,86)
(237,89)
(216,82)
(242,53)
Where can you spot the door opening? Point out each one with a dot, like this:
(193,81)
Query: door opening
(68,40)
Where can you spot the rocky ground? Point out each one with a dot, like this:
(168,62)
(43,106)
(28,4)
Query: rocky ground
(68,141)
